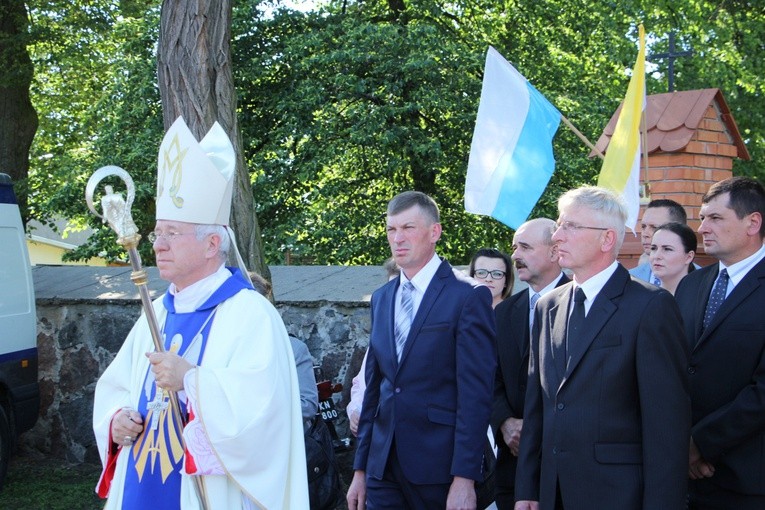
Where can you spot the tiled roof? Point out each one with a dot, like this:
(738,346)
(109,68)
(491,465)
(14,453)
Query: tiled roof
(672,120)
(63,234)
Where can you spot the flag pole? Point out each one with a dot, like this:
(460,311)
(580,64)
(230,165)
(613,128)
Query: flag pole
(581,136)
(644,145)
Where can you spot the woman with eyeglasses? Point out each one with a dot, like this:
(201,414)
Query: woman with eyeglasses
(494,269)
(673,247)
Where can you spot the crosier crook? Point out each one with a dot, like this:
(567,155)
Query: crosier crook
(117,214)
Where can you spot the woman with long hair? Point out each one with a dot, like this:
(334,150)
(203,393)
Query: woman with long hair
(673,248)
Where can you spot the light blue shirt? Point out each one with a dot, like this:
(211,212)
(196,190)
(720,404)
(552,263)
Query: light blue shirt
(737,271)
(643,271)
(541,293)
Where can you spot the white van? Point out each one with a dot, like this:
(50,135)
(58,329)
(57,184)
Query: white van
(19,389)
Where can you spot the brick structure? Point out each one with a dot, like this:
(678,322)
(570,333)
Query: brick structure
(691,142)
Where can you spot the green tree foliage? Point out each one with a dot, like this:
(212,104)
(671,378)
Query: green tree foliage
(354,112)
(99,105)
(348,104)
(359,104)
(728,43)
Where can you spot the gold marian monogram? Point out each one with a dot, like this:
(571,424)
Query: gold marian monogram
(160,438)
(172,159)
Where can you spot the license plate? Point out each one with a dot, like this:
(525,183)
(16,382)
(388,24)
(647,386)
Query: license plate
(327,410)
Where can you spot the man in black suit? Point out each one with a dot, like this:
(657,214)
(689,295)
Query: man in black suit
(536,259)
(607,413)
(722,309)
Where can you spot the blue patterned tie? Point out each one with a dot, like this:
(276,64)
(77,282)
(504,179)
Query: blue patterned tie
(532,303)
(716,298)
(404,319)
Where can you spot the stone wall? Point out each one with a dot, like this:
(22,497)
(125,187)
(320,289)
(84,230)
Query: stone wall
(76,342)
(80,331)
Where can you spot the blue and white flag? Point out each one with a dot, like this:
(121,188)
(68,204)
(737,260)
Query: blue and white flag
(511,157)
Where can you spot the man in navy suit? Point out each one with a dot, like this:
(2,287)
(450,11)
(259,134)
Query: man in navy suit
(430,373)
(722,308)
(607,412)
(536,259)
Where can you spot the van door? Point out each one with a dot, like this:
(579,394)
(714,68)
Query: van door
(19,389)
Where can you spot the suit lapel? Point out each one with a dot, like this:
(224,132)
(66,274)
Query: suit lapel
(558,318)
(557,331)
(389,298)
(705,289)
(600,312)
(521,334)
(745,287)
(428,300)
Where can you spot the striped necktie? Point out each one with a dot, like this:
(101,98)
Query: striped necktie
(532,304)
(404,318)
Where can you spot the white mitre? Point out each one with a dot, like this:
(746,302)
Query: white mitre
(195,180)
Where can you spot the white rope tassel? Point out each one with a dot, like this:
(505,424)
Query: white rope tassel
(239,260)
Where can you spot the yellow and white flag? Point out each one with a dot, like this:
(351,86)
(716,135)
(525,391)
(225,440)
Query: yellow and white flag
(621,167)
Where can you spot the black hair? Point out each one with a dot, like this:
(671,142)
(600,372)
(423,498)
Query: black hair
(497,254)
(676,211)
(687,238)
(745,196)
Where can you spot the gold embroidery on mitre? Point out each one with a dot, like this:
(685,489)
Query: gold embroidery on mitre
(172,160)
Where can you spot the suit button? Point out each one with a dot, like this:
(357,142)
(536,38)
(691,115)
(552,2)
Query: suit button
(555,450)
(561,406)
(691,370)
(398,390)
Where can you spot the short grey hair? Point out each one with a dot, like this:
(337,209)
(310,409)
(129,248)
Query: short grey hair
(203,231)
(607,206)
(407,199)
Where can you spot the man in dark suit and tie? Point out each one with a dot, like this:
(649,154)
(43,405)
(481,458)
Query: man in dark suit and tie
(430,374)
(722,309)
(607,413)
(536,259)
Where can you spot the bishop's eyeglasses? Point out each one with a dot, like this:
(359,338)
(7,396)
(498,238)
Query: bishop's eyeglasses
(167,236)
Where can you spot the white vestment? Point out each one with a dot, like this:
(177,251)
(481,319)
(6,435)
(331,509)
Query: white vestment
(248,402)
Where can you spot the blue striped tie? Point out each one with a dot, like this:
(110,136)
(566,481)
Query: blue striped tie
(532,304)
(404,319)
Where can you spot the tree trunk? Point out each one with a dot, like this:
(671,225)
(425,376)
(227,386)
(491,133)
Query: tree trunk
(196,81)
(18,119)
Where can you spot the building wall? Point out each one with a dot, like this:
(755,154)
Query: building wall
(685,176)
(77,339)
(46,253)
